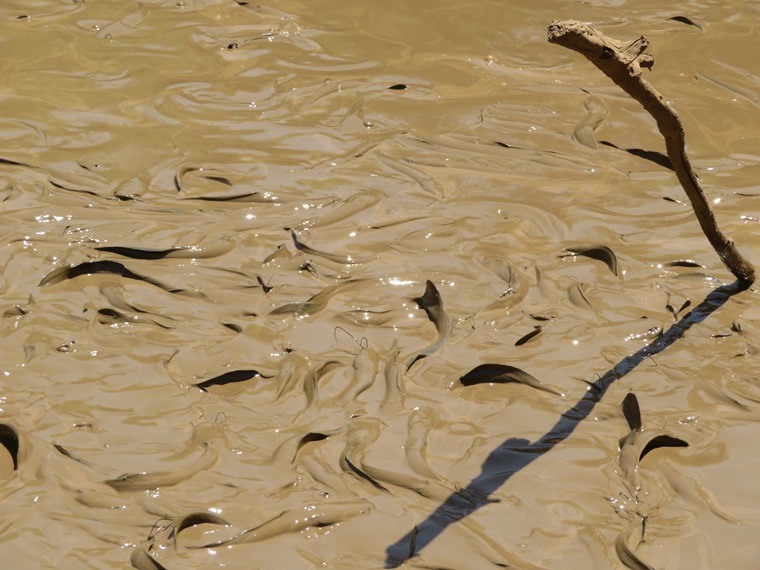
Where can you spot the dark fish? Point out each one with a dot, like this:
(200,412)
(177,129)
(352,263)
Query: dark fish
(687,21)
(675,312)
(309,437)
(683,263)
(663,440)
(494,374)
(631,411)
(362,474)
(13,162)
(9,440)
(220,179)
(502,374)
(111,316)
(228,378)
(311,268)
(199,518)
(627,556)
(186,169)
(540,318)
(397,87)
(240,197)
(264,286)
(15,311)
(578,297)
(65,452)
(598,252)
(90,267)
(432,303)
(522,340)
(136,253)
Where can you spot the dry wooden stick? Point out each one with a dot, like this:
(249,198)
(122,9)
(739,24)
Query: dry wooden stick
(622,62)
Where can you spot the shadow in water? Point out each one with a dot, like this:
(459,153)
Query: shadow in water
(515,454)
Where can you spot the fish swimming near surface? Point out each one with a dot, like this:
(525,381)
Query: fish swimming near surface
(432,303)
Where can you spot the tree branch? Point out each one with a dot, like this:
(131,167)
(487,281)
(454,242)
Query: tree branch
(622,62)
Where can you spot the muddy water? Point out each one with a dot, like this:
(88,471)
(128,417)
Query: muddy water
(219,345)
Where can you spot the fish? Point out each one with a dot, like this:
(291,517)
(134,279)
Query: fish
(352,205)
(10,440)
(366,367)
(237,197)
(103,266)
(527,337)
(637,444)
(626,555)
(428,488)
(194,519)
(733,88)
(361,434)
(334,257)
(596,113)
(631,411)
(662,440)
(144,481)
(228,378)
(687,21)
(349,466)
(599,252)
(298,519)
(392,376)
(213,249)
(66,453)
(318,301)
(202,437)
(503,374)
(432,303)
(420,425)
(309,437)
(137,253)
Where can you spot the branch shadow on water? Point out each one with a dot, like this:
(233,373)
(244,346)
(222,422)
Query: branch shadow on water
(514,454)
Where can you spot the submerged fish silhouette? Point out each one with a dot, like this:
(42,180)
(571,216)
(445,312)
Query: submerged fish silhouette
(432,303)
(503,374)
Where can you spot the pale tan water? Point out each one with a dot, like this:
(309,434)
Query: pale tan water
(214,130)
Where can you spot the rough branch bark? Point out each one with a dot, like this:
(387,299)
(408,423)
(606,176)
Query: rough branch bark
(622,62)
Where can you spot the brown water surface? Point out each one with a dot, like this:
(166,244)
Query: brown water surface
(218,222)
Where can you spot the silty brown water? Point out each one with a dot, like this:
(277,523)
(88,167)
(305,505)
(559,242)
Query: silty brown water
(220,348)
